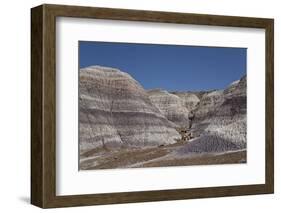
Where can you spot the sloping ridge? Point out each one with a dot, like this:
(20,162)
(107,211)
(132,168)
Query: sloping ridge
(221,121)
(116,111)
(171,106)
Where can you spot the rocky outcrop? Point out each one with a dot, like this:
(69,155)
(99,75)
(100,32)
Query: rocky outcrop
(115,111)
(209,104)
(223,113)
(171,106)
(220,122)
(237,88)
(190,99)
(123,125)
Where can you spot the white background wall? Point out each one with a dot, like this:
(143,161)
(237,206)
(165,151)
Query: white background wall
(15,105)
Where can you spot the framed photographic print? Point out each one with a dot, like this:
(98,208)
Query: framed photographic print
(136,106)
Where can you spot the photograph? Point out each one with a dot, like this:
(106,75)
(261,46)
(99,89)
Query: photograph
(145,105)
(159,105)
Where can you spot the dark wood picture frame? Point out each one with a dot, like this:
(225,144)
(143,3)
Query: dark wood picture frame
(43,105)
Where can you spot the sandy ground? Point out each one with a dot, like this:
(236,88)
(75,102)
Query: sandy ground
(155,157)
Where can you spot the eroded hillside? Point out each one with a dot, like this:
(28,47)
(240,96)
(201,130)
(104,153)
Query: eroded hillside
(123,125)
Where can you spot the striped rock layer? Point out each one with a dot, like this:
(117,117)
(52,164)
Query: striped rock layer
(171,106)
(222,113)
(115,111)
(189,99)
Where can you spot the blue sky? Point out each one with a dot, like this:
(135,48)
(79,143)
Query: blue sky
(170,67)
